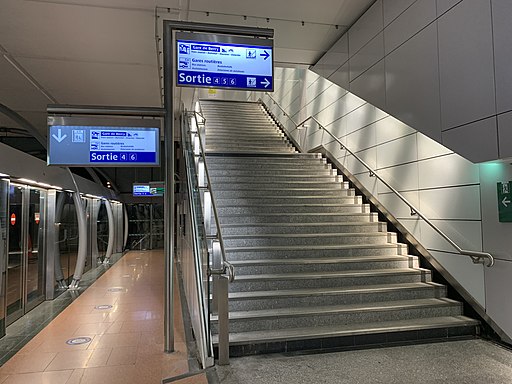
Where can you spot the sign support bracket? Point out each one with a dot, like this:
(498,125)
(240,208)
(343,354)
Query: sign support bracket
(169,26)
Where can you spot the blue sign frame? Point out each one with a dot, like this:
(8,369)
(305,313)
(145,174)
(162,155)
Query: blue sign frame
(91,143)
(225,62)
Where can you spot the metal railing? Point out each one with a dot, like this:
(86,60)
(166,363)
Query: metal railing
(208,245)
(226,265)
(476,256)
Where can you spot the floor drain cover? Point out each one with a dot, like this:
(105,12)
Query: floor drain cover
(116,289)
(78,341)
(105,306)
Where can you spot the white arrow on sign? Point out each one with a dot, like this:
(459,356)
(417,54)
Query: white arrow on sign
(266,83)
(506,202)
(60,137)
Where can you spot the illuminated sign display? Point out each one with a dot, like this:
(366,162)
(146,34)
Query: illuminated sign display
(152,189)
(218,61)
(103,145)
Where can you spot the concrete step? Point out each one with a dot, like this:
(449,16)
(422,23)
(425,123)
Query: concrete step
(265,178)
(254,131)
(243,164)
(257,300)
(282,318)
(292,208)
(283,186)
(250,148)
(306,228)
(270,137)
(330,264)
(306,167)
(249,151)
(271,239)
(220,112)
(294,200)
(213,141)
(264,218)
(351,336)
(278,159)
(213,122)
(285,172)
(240,193)
(313,251)
(309,272)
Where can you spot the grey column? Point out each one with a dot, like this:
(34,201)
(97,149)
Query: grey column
(82,241)
(111,233)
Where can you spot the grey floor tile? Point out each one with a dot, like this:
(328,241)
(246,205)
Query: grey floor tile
(456,362)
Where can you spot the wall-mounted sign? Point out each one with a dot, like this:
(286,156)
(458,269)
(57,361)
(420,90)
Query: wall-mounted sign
(152,189)
(505,201)
(37,217)
(221,61)
(102,145)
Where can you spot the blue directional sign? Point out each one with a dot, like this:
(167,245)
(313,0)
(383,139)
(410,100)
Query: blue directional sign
(216,61)
(110,146)
(152,189)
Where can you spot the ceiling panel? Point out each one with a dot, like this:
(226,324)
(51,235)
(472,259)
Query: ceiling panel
(342,12)
(103,52)
(38,119)
(97,83)
(77,33)
(16,92)
(121,4)
(289,37)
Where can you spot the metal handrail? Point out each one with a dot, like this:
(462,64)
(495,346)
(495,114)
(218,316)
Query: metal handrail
(476,256)
(225,263)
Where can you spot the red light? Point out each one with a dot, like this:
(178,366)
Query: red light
(13,219)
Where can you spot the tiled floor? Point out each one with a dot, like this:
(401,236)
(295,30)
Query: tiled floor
(23,330)
(122,344)
(457,362)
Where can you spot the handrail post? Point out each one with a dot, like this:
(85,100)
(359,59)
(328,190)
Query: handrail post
(223,316)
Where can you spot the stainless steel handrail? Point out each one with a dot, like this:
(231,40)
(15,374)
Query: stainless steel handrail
(476,256)
(225,263)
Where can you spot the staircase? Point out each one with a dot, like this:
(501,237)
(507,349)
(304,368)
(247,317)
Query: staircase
(315,269)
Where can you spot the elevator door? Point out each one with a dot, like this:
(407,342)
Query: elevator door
(25,270)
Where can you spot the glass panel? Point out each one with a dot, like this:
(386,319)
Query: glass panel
(4,196)
(102,231)
(35,245)
(68,238)
(157,234)
(87,204)
(15,259)
(139,226)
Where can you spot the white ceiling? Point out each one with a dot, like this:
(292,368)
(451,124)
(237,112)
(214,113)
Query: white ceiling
(104,52)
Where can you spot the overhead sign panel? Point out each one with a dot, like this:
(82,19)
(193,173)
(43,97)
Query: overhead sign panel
(103,145)
(152,189)
(220,61)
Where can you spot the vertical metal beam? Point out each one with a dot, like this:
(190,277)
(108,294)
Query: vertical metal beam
(222,306)
(52,231)
(169,222)
(151,229)
(111,233)
(169,190)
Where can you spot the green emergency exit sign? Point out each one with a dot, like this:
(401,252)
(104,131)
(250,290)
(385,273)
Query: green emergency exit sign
(505,202)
